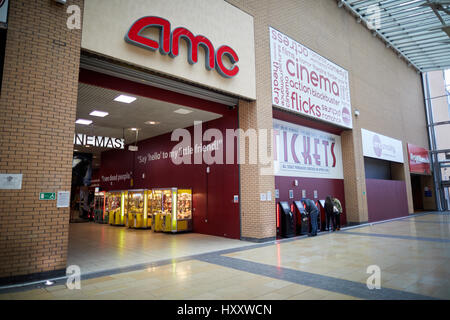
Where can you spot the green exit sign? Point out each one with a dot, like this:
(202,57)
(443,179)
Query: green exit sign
(47,196)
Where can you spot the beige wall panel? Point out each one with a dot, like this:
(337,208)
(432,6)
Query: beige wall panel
(106,22)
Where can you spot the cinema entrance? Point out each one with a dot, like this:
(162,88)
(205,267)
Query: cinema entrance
(147,182)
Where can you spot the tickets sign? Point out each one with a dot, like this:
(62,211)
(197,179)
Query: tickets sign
(306,83)
(306,152)
(419,160)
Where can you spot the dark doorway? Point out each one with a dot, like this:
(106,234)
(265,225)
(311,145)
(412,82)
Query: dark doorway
(416,187)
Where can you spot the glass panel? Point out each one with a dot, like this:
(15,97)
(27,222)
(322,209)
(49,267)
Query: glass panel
(166,202)
(184,204)
(113,201)
(136,202)
(155,202)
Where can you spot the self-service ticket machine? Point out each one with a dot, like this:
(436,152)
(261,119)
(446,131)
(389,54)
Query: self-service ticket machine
(301,218)
(285,220)
(321,223)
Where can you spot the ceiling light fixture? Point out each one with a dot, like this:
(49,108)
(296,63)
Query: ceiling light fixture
(97,113)
(152,122)
(183,111)
(125,99)
(134,129)
(83,121)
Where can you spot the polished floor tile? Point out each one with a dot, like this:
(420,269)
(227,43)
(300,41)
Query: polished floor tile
(97,247)
(333,266)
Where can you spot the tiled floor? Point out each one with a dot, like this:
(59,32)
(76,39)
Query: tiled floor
(97,247)
(413,255)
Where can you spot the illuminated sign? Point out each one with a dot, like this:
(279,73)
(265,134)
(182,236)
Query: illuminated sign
(382,147)
(419,160)
(98,141)
(169,43)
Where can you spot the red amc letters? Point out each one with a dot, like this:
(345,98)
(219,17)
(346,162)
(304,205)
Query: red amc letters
(169,42)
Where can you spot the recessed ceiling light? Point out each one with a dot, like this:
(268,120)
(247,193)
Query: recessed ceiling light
(125,99)
(182,111)
(134,129)
(97,113)
(83,121)
(152,122)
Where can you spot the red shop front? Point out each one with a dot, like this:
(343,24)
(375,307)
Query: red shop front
(214,186)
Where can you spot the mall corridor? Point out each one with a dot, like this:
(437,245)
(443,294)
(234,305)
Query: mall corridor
(413,255)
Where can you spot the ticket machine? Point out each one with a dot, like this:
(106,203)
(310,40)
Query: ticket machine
(286,220)
(301,218)
(321,223)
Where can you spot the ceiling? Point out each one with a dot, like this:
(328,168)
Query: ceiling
(418,30)
(123,116)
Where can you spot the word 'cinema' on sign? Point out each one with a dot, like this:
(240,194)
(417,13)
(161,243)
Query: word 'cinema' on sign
(169,42)
(98,141)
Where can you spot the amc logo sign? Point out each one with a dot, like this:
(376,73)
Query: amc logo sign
(169,43)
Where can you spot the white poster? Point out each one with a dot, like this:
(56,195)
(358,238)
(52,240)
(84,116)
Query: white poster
(3,11)
(10,181)
(305,82)
(63,200)
(381,147)
(306,152)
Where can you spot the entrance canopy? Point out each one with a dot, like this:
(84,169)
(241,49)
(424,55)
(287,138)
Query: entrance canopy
(418,30)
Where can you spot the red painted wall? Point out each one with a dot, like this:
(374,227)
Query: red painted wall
(386,199)
(324,187)
(215,212)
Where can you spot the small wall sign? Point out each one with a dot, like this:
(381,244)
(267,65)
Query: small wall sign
(9,181)
(47,196)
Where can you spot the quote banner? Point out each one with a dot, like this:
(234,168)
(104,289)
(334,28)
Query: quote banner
(304,82)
